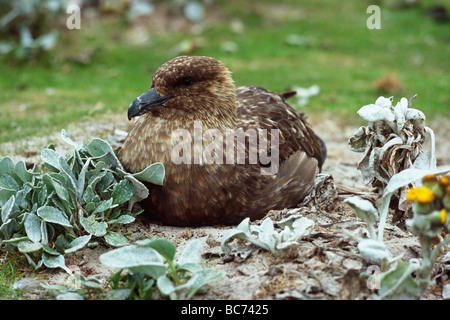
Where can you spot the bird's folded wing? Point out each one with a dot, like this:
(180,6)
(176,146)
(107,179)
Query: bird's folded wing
(259,108)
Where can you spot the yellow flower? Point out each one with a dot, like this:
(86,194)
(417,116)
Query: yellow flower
(422,195)
(412,195)
(443,216)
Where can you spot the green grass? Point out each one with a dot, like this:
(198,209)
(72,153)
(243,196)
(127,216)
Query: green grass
(341,55)
(11,265)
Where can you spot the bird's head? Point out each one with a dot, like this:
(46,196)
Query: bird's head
(198,87)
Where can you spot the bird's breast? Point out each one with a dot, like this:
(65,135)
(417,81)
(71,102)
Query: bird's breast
(173,143)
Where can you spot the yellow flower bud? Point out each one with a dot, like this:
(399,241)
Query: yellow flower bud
(412,195)
(422,195)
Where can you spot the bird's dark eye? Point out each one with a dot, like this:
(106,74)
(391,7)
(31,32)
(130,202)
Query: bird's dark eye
(187,82)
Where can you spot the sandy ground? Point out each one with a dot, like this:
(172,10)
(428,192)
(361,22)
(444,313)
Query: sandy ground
(325,265)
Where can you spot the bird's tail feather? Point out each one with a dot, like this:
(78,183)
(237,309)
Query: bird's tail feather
(299,165)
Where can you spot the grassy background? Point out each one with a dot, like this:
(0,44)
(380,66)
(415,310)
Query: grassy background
(337,52)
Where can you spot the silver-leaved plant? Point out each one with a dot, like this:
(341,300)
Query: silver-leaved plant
(393,140)
(68,202)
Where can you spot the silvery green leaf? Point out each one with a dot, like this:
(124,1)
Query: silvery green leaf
(115,239)
(228,237)
(28,246)
(106,182)
(164,247)
(122,192)
(302,227)
(414,114)
(98,147)
(32,263)
(53,261)
(69,296)
(242,232)
(90,206)
(92,283)
(166,287)
(295,227)
(21,197)
(7,208)
(138,258)
(201,278)
(61,243)
(374,113)
(6,166)
(44,232)
(152,174)
(384,102)
(358,142)
(91,226)
(53,215)
(425,161)
(101,149)
(398,282)
(33,227)
(244,226)
(118,294)
(285,244)
(8,183)
(54,289)
(50,157)
(395,140)
(94,180)
(364,208)
(410,175)
(188,289)
(88,194)
(140,191)
(65,137)
(22,172)
(289,220)
(399,112)
(58,177)
(103,206)
(8,228)
(58,203)
(15,240)
(66,171)
(49,250)
(78,243)
(191,267)
(125,219)
(373,249)
(42,196)
(191,254)
(266,234)
(57,186)
(82,179)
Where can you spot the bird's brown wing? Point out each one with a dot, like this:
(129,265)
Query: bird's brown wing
(260,108)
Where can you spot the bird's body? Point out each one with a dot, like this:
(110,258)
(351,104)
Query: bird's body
(195,98)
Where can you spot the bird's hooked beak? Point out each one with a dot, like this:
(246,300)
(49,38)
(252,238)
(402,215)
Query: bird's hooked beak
(145,102)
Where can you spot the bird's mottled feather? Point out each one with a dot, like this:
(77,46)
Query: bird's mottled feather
(202,90)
